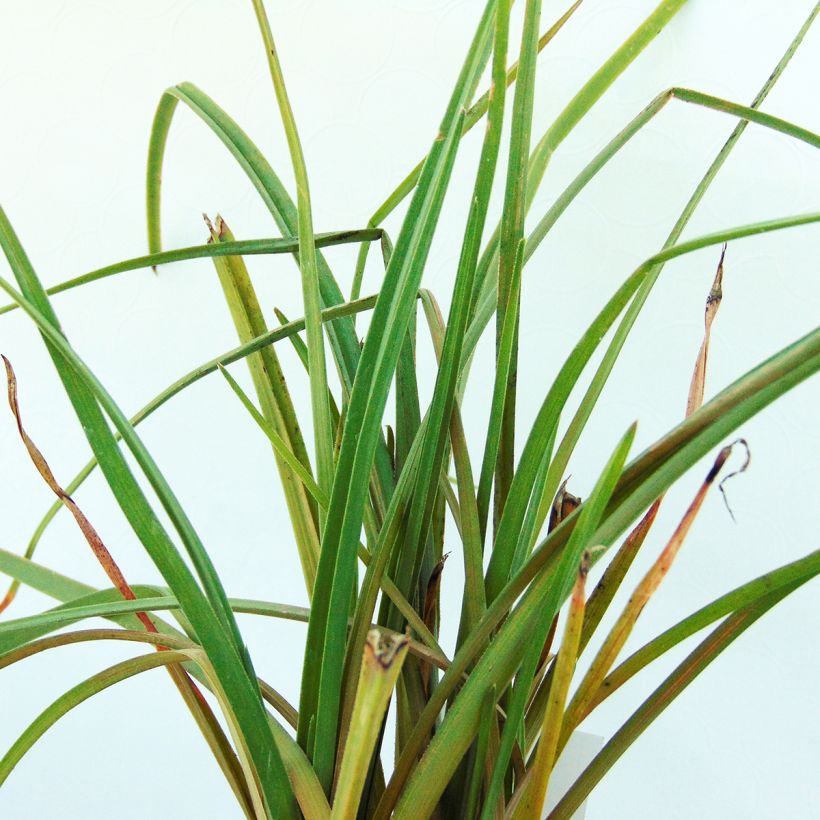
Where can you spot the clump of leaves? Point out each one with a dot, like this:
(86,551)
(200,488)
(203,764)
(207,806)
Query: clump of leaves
(478,728)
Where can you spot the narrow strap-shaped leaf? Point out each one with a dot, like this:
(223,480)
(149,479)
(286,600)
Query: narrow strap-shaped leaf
(542,434)
(617,636)
(82,635)
(106,604)
(474,602)
(562,126)
(505,355)
(277,442)
(566,576)
(43,579)
(301,351)
(785,578)
(342,333)
(511,242)
(80,386)
(211,615)
(408,411)
(274,397)
(228,357)
(431,459)
(703,430)
(375,575)
(535,787)
(642,273)
(613,576)
(474,115)
(486,299)
(641,482)
(324,655)
(389,588)
(66,589)
(78,694)
(429,776)
(479,757)
(312,800)
(588,402)
(615,572)
(595,88)
(247,247)
(92,537)
(381,664)
(322,430)
(265,181)
(201,710)
(192,697)
(675,683)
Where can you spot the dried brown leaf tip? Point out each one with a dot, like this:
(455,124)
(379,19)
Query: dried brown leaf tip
(101,552)
(742,469)
(210,225)
(697,386)
(218,233)
(432,593)
(382,648)
(564,505)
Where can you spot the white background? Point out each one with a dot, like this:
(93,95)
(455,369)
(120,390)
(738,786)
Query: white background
(369,81)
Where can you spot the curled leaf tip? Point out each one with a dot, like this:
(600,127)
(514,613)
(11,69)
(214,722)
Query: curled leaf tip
(104,557)
(742,469)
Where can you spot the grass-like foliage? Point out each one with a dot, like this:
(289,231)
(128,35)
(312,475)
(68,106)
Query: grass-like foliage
(374,496)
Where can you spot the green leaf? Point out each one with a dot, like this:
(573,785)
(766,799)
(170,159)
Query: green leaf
(324,654)
(548,607)
(342,333)
(510,260)
(277,442)
(211,615)
(782,580)
(323,435)
(78,694)
(617,636)
(672,686)
(505,355)
(247,247)
(228,357)
(496,665)
(108,603)
(643,481)
(274,397)
(381,664)
(474,115)
(473,602)
(486,299)
(534,791)
(562,126)
(431,458)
